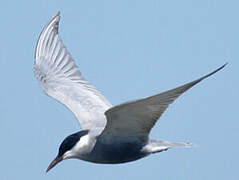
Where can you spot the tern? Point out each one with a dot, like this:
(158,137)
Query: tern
(109,135)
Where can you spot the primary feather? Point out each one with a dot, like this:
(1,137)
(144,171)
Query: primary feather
(61,79)
(136,119)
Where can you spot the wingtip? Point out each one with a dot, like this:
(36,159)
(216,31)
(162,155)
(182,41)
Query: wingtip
(53,22)
(220,67)
(213,72)
(56,17)
(224,64)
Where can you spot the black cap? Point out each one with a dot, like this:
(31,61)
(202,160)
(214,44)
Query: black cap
(70,141)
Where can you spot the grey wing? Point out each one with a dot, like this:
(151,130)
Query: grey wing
(136,119)
(61,79)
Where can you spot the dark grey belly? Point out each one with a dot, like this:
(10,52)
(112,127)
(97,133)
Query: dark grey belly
(116,153)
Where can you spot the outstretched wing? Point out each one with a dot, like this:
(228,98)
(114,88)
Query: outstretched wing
(61,79)
(136,119)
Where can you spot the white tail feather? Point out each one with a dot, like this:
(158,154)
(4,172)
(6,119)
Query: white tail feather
(155,146)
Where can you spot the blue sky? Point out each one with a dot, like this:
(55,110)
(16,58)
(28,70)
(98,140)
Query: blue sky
(128,50)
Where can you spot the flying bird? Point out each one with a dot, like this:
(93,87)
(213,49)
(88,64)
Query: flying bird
(109,135)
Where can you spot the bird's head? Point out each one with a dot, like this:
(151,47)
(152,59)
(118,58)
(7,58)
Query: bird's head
(66,148)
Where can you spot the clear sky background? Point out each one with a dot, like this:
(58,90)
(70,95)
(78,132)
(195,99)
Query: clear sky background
(128,50)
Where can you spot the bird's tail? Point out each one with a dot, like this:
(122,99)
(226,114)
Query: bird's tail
(155,146)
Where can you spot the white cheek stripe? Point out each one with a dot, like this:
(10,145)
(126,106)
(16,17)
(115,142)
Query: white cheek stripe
(80,148)
(84,141)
